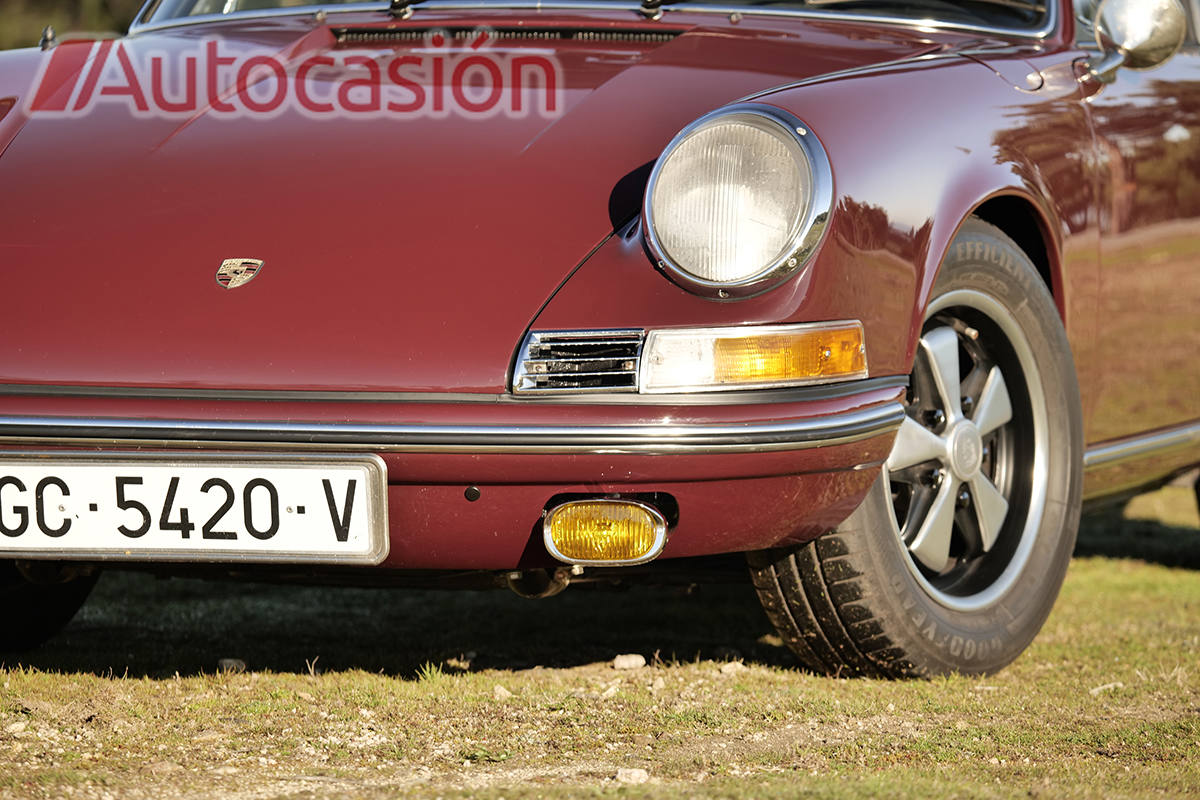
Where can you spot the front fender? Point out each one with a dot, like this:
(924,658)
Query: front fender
(914,149)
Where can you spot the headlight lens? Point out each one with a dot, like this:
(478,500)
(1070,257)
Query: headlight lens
(738,198)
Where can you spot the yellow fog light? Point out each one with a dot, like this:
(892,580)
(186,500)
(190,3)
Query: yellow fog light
(760,357)
(604,532)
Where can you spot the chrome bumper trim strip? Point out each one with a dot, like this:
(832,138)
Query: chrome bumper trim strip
(791,434)
(746,397)
(1112,453)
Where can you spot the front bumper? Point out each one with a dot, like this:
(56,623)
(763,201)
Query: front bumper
(745,473)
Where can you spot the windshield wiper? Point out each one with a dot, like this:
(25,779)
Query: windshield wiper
(1021,5)
(402,9)
(654,8)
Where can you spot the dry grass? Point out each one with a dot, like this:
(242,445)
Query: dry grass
(22,21)
(362,694)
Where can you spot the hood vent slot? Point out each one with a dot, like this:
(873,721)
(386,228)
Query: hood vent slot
(572,362)
(357,37)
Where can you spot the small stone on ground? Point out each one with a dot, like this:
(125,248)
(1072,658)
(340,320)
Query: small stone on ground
(163,767)
(632,775)
(629,661)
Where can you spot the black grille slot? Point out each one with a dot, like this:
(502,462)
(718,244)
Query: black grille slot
(350,37)
(579,362)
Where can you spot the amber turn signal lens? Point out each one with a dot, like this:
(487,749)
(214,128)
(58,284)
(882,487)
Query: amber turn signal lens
(753,357)
(604,532)
(804,354)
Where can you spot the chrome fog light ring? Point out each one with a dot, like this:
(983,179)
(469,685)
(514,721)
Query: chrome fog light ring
(654,521)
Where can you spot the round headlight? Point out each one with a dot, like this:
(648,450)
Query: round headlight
(738,201)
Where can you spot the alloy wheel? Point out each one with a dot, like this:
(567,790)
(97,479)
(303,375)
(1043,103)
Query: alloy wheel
(963,471)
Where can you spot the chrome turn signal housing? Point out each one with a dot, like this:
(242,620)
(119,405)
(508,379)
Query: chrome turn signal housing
(759,357)
(604,532)
(688,360)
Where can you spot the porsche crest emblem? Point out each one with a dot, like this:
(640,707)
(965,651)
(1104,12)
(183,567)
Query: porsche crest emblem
(235,272)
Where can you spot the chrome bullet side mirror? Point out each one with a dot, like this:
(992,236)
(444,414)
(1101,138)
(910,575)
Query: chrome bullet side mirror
(1137,34)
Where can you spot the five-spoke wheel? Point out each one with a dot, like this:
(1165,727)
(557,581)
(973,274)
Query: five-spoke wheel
(950,451)
(954,558)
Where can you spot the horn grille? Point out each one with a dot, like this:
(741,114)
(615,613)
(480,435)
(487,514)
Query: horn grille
(350,37)
(572,362)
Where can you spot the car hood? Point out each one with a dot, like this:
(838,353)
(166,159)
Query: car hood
(404,252)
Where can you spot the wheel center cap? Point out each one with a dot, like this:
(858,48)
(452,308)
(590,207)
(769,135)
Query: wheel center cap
(965,450)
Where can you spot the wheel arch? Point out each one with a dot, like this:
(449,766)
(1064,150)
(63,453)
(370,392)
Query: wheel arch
(1019,214)
(1021,220)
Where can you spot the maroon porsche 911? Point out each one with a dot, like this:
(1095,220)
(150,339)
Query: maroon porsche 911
(526,293)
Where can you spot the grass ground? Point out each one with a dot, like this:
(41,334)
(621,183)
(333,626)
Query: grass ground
(22,21)
(376,694)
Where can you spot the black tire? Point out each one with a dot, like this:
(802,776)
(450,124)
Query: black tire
(880,595)
(34,612)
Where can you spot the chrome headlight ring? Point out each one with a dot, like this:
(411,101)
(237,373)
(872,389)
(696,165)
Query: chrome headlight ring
(759,141)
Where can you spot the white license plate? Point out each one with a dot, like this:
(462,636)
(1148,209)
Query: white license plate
(194,507)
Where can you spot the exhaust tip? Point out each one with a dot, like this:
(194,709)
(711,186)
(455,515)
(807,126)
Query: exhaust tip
(604,532)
